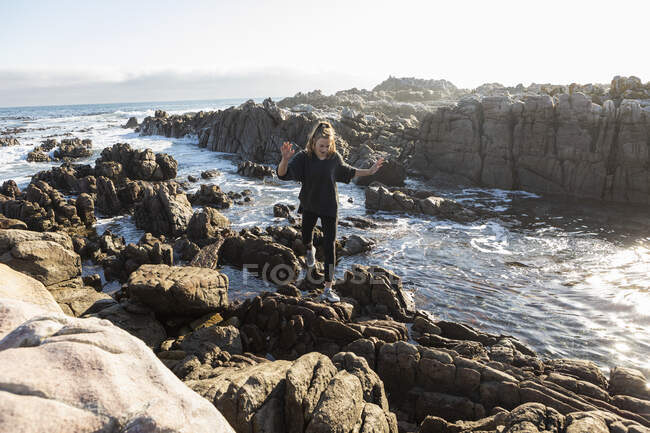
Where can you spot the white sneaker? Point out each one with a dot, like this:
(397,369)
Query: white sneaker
(310,257)
(330,295)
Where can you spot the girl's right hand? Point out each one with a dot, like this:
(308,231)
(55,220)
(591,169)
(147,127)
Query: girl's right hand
(287,150)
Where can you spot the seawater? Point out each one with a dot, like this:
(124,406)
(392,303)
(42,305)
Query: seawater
(568,279)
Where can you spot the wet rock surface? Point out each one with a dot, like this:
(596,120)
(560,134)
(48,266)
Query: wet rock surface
(379,197)
(9,141)
(284,360)
(73,148)
(120,161)
(251,169)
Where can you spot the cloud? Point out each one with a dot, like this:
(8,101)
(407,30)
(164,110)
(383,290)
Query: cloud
(58,87)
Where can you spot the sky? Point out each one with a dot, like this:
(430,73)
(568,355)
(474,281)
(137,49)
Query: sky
(69,52)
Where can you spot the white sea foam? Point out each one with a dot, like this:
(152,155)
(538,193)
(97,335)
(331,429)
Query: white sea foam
(454,265)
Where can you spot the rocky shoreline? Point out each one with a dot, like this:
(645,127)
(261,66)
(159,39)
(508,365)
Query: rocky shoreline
(170,351)
(586,141)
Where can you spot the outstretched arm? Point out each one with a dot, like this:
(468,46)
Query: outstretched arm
(360,172)
(287,153)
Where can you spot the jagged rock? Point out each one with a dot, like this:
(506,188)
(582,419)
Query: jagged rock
(254,131)
(251,169)
(628,381)
(131,123)
(10,189)
(86,209)
(107,199)
(49,144)
(581,369)
(74,148)
(211,195)
(31,214)
(392,173)
(9,141)
(184,249)
(261,256)
(163,210)
(373,286)
(359,222)
(209,174)
(379,197)
(205,225)
(43,208)
(184,291)
(356,244)
(628,87)
(502,142)
(307,395)
(38,155)
(123,382)
(281,210)
(94,280)
(120,260)
(120,160)
(208,256)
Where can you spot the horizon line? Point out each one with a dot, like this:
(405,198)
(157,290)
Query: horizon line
(145,102)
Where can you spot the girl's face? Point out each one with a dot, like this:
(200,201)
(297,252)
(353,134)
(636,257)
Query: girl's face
(322,147)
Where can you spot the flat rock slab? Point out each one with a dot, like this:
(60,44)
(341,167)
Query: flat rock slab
(184,291)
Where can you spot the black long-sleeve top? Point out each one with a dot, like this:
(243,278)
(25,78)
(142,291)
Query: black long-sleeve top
(319,193)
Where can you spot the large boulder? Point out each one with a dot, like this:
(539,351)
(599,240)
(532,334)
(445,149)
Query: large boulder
(163,209)
(628,381)
(392,173)
(8,141)
(378,197)
(261,256)
(251,169)
(181,291)
(206,225)
(136,164)
(74,148)
(81,375)
(211,195)
(131,123)
(47,257)
(373,286)
(18,286)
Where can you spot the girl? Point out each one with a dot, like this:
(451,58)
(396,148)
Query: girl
(318,168)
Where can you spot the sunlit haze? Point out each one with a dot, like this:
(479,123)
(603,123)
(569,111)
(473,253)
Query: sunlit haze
(67,52)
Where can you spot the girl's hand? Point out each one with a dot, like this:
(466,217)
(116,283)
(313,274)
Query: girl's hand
(287,151)
(376,166)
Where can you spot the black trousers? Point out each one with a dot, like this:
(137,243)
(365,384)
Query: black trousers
(328,224)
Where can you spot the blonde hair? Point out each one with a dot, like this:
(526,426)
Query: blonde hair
(321,130)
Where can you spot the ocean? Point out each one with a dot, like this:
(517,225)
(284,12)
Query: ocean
(569,279)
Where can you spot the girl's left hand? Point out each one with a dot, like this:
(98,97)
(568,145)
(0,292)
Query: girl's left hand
(376,166)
